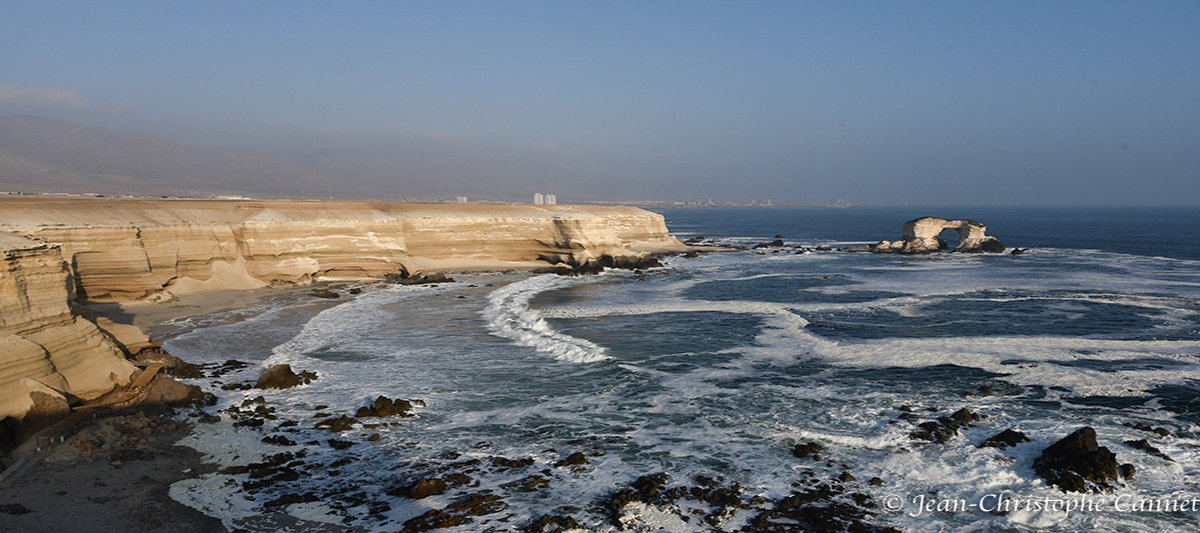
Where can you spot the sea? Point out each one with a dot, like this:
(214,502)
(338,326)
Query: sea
(713,369)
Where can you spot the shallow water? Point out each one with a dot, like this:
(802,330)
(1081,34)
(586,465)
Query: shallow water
(718,365)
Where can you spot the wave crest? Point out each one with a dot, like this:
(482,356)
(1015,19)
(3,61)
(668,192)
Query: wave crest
(509,316)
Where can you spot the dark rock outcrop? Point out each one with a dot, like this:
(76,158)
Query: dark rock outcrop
(1078,464)
(572,266)
(282,377)
(1145,446)
(422,488)
(1162,432)
(14,509)
(337,425)
(383,407)
(574,459)
(278,440)
(804,450)
(552,524)
(1005,439)
(404,278)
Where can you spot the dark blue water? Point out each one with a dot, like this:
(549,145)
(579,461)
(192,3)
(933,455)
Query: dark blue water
(1148,231)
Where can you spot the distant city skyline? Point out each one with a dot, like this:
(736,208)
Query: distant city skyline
(862,102)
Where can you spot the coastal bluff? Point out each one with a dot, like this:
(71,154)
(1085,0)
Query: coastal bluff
(136,249)
(57,250)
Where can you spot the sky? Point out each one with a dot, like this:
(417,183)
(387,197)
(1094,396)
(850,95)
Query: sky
(880,103)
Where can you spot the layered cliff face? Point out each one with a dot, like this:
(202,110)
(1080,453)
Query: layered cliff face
(45,349)
(131,249)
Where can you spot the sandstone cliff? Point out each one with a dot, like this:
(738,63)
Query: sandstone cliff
(45,349)
(130,249)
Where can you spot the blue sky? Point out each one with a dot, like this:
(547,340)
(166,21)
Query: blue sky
(806,102)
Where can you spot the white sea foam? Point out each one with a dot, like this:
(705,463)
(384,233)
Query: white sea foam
(734,410)
(340,323)
(509,316)
(211,494)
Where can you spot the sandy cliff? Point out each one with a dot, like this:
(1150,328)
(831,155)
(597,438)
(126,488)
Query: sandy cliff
(128,249)
(45,349)
(56,249)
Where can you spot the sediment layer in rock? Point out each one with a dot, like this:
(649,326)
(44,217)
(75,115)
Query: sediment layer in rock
(131,249)
(44,347)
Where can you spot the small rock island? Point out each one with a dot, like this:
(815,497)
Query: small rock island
(921,237)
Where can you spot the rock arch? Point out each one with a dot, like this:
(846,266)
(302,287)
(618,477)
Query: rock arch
(921,237)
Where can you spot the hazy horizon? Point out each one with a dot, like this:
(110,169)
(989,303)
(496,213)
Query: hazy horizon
(880,103)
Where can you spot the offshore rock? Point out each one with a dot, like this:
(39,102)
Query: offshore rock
(921,237)
(574,459)
(384,406)
(338,425)
(422,488)
(282,377)
(804,450)
(1078,464)
(1005,439)
(1145,446)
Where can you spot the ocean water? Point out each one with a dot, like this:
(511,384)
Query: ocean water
(717,366)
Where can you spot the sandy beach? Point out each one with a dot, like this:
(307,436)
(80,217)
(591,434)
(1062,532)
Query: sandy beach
(155,318)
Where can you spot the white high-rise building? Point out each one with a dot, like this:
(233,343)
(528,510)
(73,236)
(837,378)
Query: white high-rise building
(551,199)
(462,199)
(538,198)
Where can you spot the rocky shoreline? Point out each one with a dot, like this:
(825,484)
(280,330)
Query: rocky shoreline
(292,467)
(299,472)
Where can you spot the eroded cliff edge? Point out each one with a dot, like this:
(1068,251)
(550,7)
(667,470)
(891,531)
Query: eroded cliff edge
(130,249)
(58,249)
(48,353)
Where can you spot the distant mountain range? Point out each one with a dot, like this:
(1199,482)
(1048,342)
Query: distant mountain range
(43,154)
